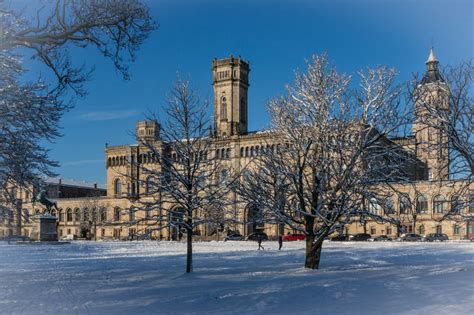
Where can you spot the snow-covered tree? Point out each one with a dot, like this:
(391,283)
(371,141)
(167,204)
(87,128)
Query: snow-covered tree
(30,110)
(185,185)
(331,152)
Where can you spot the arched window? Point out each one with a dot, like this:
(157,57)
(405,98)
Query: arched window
(405,204)
(374,206)
(421,204)
(227,154)
(103,214)
(69,215)
(61,215)
(118,187)
(223,108)
(94,217)
(247,151)
(389,207)
(117,214)
(241,151)
(438,204)
(77,215)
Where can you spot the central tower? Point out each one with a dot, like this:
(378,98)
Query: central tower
(230,79)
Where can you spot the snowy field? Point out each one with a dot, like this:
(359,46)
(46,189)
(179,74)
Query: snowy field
(235,278)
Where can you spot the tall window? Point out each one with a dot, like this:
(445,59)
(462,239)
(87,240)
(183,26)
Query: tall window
(438,204)
(374,207)
(404,204)
(69,215)
(471,203)
(103,214)
(439,229)
(421,204)
(456,229)
(61,215)
(117,214)
(77,215)
(223,108)
(118,187)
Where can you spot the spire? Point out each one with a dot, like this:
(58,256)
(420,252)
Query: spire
(432,74)
(431,57)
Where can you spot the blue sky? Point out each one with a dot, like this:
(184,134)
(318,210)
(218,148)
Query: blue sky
(275,36)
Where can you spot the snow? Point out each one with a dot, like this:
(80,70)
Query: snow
(235,278)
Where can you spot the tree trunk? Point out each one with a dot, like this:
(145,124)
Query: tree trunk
(189,257)
(18,207)
(313,252)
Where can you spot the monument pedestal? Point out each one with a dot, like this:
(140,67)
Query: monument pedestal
(44,228)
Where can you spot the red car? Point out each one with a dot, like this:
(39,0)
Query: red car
(293,237)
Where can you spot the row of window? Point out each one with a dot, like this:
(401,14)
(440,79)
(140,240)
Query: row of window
(123,160)
(439,205)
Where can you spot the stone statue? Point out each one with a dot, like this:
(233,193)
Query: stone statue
(42,198)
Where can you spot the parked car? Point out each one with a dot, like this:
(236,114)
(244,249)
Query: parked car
(16,238)
(340,238)
(361,237)
(234,237)
(381,238)
(293,237)
(256,235)
(410,237)
(436,237)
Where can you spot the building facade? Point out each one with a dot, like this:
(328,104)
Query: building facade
(432,192)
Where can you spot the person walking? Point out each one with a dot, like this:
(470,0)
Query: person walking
(259,241)
(280,242)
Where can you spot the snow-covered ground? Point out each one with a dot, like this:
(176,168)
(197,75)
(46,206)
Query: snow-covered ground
(235,278)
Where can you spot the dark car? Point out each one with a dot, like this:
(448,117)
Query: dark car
(361,237)
(340,238)
(255,236)
(293,237)
(234,237)
(436,237)
(410,237)
(16,238)
(382,238)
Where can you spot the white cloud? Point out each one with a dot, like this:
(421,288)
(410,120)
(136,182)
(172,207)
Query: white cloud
(108,115)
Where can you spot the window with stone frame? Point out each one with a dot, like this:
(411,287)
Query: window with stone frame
(439,204)
(421,204)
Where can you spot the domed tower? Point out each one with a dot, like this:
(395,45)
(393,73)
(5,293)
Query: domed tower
(431,101)
(230,79)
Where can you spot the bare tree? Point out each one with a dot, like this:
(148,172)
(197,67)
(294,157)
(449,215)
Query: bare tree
(332,153)
(185,183)
(30,111)
(116,28)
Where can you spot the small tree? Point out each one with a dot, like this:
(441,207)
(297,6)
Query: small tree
(331,153)
(185,185)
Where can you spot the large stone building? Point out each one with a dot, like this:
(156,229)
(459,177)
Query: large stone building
(432,189)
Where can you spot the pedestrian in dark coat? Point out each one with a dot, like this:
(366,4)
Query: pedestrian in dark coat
(280,242)
(259,241)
